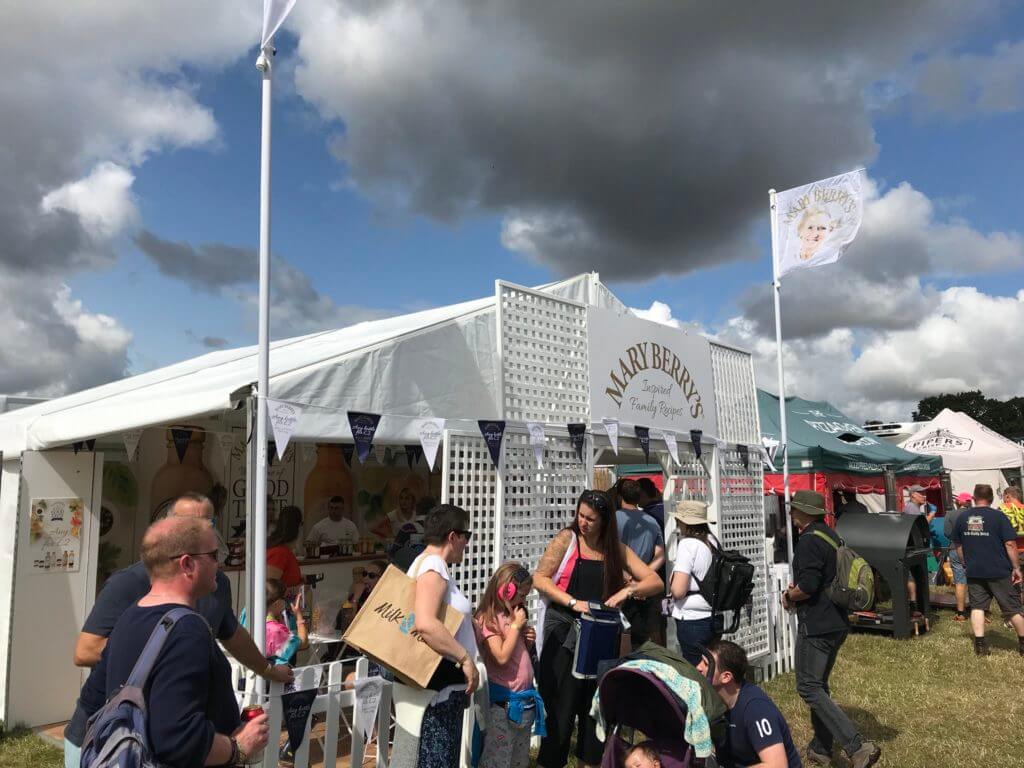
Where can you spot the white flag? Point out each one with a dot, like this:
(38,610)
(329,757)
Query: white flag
(611,426)
(226,440)
(283,418)
(431,433)
(131,442)
(536,431)
(274,14)
(368,693)
(814,223)
(671,444)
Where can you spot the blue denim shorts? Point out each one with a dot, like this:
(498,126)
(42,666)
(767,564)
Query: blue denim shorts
(959,572)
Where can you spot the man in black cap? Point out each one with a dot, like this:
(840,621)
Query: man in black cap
(821,631)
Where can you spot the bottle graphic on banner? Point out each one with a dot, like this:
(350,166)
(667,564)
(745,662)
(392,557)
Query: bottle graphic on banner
(177,477)
(329,477)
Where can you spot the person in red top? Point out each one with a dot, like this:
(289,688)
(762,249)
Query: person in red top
(281,561)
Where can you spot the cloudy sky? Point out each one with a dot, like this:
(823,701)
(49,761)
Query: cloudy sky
(423,149)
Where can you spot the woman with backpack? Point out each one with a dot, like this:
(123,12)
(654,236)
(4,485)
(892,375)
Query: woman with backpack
(695,623)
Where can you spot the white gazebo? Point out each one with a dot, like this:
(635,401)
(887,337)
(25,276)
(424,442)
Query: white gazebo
(565,353)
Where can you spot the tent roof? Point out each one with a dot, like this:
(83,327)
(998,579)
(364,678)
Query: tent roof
(964,444)
(814,430)
(319,369)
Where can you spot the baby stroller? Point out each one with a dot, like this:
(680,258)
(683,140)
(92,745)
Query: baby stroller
(662,718)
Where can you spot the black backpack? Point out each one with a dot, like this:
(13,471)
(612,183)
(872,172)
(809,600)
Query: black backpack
(727,585)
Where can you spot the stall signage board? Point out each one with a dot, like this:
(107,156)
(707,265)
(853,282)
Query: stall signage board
(55,535)
(649,374)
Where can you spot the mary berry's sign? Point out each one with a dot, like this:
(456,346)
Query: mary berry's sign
(649,374)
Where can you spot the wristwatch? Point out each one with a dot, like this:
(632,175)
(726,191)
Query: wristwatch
(572,603)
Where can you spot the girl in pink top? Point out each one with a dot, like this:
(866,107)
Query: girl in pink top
(505,640)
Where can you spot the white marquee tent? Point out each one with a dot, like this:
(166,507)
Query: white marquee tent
(971,452)
(567,352)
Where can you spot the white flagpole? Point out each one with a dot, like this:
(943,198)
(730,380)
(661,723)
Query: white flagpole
(776,290)
(258,529)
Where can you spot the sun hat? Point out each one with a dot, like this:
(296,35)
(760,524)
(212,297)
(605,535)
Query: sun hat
(963,498)
(691,512)
(809,502)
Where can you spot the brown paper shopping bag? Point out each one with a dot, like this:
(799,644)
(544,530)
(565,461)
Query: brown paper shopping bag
(383,629)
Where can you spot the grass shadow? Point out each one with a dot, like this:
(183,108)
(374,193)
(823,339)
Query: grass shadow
(869,726)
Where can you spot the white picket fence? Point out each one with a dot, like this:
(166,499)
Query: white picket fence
(781,623)
(335,702)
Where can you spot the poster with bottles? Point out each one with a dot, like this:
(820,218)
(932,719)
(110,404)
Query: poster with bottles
(55,535)
(280,488)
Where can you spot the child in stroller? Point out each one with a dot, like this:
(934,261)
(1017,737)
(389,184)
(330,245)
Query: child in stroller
(664,719)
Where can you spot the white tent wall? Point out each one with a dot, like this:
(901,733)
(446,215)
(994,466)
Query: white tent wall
(10,490)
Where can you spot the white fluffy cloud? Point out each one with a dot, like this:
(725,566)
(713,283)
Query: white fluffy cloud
(103,200)
(658,312)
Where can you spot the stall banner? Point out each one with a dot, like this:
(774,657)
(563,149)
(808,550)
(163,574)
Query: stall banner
(283,418)
(648,373)
(536,432)
(297,705)
(55,535)
(431,433)
(368,693)
(695,437)
(131,439)
(578,435)
(816,222)
(493,432)
(643,434)
(364,427)
(611,426)
(670,442)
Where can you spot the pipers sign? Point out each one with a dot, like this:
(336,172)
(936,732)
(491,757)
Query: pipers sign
(649,374)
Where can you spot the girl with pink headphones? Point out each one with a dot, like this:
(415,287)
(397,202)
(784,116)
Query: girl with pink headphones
(507,641)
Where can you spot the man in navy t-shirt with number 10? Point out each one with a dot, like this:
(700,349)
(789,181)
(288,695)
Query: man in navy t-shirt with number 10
(758,733)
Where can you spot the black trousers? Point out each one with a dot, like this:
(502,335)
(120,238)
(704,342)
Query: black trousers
(567,704)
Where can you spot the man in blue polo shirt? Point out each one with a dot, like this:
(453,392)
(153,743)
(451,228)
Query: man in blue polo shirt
(987,545)
(758,733)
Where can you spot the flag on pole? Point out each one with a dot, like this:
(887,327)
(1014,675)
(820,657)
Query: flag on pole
(816,222)
(274,14)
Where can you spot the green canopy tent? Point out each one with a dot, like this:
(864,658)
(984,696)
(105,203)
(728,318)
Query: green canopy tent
(829,452)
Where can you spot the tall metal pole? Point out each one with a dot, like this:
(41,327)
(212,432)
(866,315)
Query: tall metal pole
(258,528)
(783,436)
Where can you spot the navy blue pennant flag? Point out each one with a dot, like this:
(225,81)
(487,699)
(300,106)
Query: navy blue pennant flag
(493,432)
(76,447)
(744,452)
(578,434)
(364,427)
(296,707)
(91,444)
(347,450)
(412,454)
(271,453)
(695,436)
(181,437)
(643,434)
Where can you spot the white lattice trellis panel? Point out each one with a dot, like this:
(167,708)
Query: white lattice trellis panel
(542,341)
(736,395)
(691,479)
(741,528)
(538,503)
(470,481)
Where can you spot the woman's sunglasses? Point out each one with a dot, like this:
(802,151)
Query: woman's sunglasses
(364,573)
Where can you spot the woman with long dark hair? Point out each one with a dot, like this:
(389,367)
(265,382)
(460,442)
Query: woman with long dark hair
(584,563)
(281,561)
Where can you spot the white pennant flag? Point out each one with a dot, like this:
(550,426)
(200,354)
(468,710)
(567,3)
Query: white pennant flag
(274,14)
(283,418)
(131,442)
(611,426)
(226,441)
(368,693)
(671,444)
(536,430)
(431,434)
(816,222)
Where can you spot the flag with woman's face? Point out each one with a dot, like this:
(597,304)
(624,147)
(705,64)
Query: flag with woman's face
(816,222)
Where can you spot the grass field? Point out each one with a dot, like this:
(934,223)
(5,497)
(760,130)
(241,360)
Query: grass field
(929,702)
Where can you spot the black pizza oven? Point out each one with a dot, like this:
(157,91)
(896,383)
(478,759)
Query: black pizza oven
(896,546)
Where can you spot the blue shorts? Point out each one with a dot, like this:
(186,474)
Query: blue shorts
(959,572)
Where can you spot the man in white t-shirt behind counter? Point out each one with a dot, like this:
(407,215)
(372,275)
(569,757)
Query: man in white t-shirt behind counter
(333,529)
